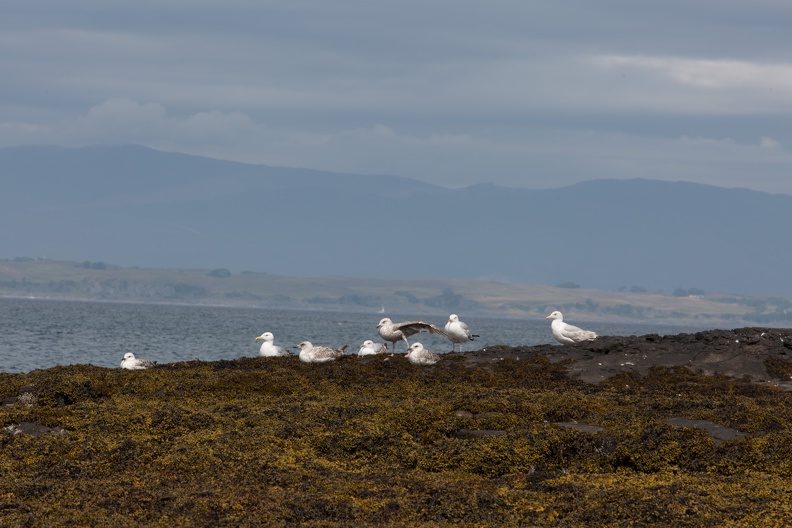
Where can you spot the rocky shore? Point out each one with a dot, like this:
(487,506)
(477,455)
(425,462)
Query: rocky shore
(685,430)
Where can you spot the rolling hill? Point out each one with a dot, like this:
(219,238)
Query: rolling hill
(139,207)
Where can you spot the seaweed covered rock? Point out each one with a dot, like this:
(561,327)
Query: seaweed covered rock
(688,430)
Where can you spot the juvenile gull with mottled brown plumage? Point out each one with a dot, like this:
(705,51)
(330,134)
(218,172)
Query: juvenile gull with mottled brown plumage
(418,355)
(130,362)
(319,354)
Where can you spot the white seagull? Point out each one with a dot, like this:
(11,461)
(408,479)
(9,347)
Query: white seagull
(458,332)
(370,348)
(393,332)
(418,355)
(567,334)
(321,354)
(130,362)
(269,348)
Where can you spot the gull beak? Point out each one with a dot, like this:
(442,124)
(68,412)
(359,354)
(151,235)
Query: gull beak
(548,317)
(259,338)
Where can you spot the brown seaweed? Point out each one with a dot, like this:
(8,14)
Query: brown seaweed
(506,436)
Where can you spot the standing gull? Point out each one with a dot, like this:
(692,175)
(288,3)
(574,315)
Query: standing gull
(418,355)
(370,348)
(312,354)
(567,334)
(130,362)
(269,348)
(458,332)
(393,332)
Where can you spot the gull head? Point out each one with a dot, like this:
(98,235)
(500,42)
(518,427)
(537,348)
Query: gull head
(415,347)
(555,315)
(453,318)
(266,336)
(384,321)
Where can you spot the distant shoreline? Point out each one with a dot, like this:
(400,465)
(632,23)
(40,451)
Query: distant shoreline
(68,280)
(340,310)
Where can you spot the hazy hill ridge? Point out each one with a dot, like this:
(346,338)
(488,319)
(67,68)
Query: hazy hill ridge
(135,206)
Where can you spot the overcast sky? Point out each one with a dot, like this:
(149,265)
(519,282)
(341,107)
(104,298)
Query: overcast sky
(525,93)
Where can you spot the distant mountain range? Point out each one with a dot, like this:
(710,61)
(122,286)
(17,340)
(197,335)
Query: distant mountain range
(135,206)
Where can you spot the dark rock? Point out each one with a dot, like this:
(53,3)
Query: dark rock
(581,427)
(718,433)
(34,429)
(26,396)
(739,353)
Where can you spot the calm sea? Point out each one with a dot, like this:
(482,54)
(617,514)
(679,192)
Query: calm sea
(38,333)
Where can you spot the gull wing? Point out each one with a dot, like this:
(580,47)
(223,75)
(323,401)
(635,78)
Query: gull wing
(409,328)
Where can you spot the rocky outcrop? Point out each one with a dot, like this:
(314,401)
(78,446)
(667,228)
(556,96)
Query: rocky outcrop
(687,430)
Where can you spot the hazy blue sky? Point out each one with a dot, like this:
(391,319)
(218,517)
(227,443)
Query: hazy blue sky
(529,93)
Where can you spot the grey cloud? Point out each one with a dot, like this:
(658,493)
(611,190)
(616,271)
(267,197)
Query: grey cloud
(535,94)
